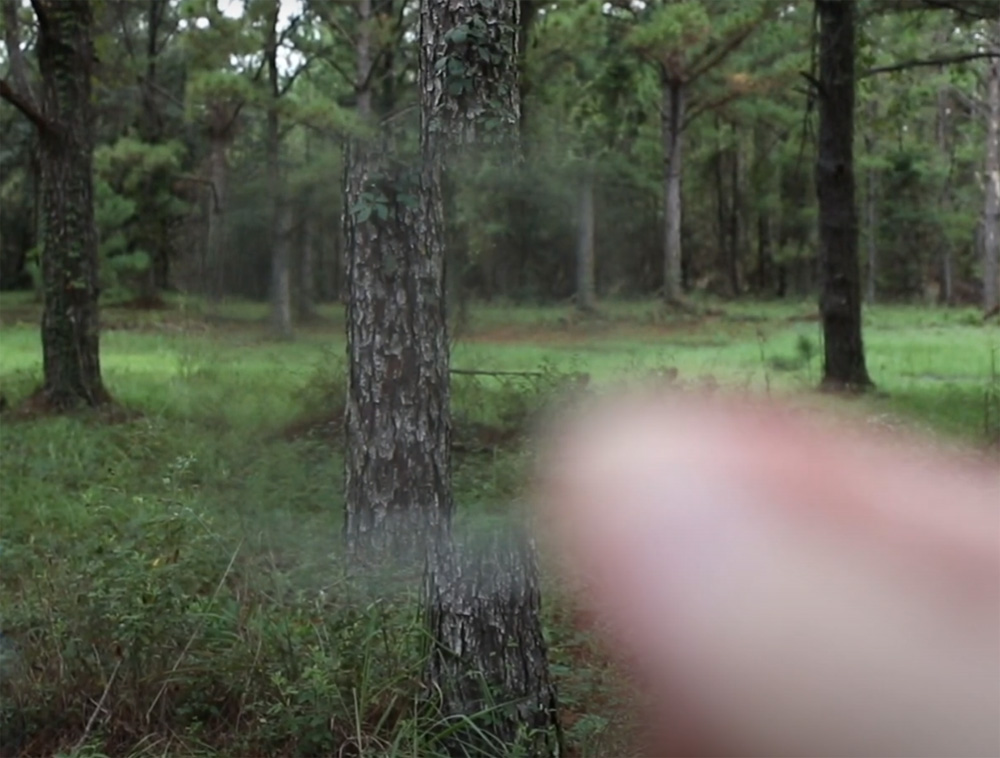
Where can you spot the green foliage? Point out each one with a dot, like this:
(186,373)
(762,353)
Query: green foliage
(133,202)
(185,561)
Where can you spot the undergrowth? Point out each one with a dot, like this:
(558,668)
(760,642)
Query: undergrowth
(171,583)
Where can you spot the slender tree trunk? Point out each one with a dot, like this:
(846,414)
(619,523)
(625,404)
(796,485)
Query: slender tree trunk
(840,301)
(585,258)
(154,232)
(944,141)
(215,247)
(765,186)
(307,270)
(281,280)
(721,205)
(672,116)
(70,329)
(991,205)
(736,221)
(483,599)
(305,302)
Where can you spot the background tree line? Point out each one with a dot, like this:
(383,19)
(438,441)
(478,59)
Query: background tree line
(207,120)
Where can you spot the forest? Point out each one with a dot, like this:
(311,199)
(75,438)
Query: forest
(294,292)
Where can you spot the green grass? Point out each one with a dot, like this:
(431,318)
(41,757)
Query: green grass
(183,563)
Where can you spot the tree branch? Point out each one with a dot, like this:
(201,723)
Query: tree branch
(943,60)
(714,56)
(216,205)
(26,107)
(12,38)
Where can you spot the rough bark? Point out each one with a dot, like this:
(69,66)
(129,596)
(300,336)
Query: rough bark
(586,297)
(483,600)
(398,425)
(70,329)
(490,660)
(991,204)
(672,117)
(281,280)
(840,299)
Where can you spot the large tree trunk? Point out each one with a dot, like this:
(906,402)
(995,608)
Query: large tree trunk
(490,661)
(840,301)
(70,330)
(398,425)
(672,117)
(398,461)
(483,601)
(991,205)
(585,258)
(281,280)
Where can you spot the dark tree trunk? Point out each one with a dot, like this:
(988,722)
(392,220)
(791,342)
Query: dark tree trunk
(490,661)
(721,208)
(398,461)
(840,301)
(483,600)
(735,219)
(398,424)
(672,117)
(281,280)
(70,330)
(765,186)
(215,245)
(585,258)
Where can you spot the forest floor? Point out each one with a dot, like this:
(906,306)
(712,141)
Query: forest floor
(168,582)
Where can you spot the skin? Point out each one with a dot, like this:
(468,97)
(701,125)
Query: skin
(782,584)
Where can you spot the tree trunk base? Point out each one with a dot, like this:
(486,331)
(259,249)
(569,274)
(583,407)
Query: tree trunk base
(488,668)
(43,402)
(847,387)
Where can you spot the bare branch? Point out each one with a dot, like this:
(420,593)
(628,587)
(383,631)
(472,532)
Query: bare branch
(25,106)
(216,206)
(917,62)
(713,57)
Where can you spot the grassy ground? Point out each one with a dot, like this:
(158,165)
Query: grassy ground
(171,579)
